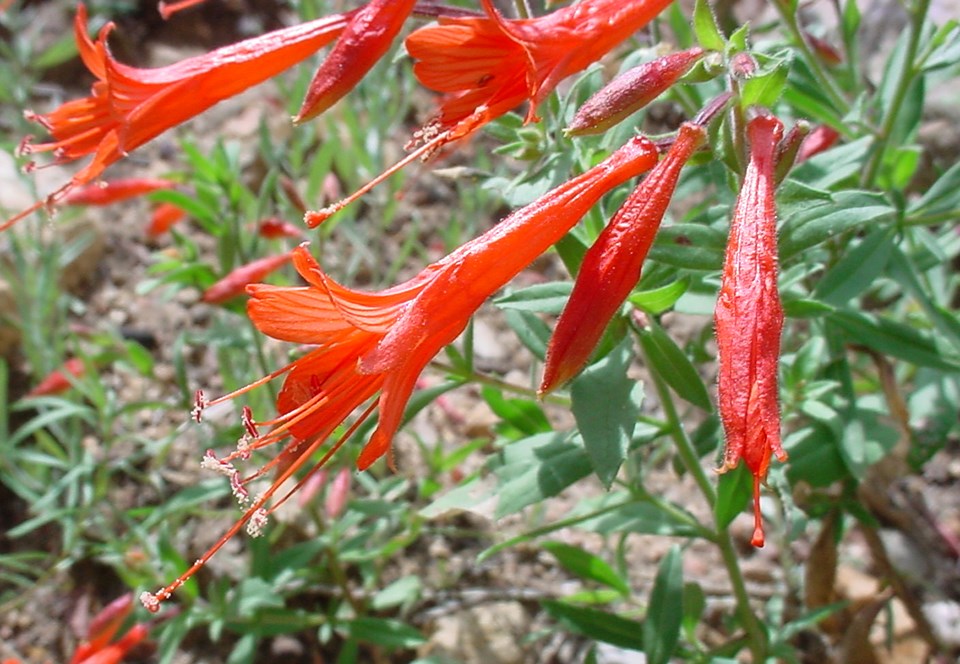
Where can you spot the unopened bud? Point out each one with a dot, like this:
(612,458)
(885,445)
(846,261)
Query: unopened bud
(629,92)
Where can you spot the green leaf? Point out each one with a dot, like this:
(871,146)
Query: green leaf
(404,590)
(942,196)
(689,246)
(694,604)
(532,332)
(814,457)
(858,269)
(823,171)
(385,632)
(657,300)
(765,88)
(661,627)
(734,489)
(597,625)
(864,441)
(523,414)
(547,298)
(535,468)
(892,338)
(850,210)
(705,27)
(644,518)
(672,364)
(605,404)
(850,21)
(587,566)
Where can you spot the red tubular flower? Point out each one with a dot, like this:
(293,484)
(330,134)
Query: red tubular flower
(114,191)
(749,319)
(236,282)
(611,267)
(273,228)
(491,65)
(369,343)
(129,106)
(168,9)
(365,40)
(164,216)
(819,140)
(57,382)
(631,91)
(97,649)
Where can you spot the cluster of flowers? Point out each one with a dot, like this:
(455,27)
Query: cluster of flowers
(369,348)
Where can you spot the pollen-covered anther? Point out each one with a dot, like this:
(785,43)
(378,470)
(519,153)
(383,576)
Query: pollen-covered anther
(248,422)
(199,403)
(150,602)
(219,466)
(239,492)
(256,524)
(244,444)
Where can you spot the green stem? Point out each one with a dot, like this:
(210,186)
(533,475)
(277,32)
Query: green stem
(474,377)
(907,74)
(688,456)
(825,80)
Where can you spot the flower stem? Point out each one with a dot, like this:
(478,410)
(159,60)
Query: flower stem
(691,462)
(907,74)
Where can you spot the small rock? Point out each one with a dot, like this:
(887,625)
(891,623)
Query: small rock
(488,634)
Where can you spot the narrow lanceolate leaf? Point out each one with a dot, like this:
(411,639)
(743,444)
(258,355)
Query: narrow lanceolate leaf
(661,628)
(598,625)
(857,269)
(587,566)
(673,365)
(606,404)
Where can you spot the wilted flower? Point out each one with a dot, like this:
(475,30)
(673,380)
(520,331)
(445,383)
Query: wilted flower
(749,319)
(370,343)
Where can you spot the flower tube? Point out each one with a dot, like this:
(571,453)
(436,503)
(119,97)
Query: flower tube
(369,344)
(611,267)
(749,319)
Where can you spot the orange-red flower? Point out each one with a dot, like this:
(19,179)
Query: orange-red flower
(369,343)
(114,191)
(163,218)
(491,65)
(235,283)
(56,381)
(749,319)
(97,649)
(611,267)
(129,106)
(364,41)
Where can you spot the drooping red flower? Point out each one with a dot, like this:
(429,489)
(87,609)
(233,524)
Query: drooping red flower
(114,191)
(611,267)
(819,140)
(129,106)
(491,65)
(235,283)
(370,343)
(749,319)
(365,40)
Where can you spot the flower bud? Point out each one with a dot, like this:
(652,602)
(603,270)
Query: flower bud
(631,91)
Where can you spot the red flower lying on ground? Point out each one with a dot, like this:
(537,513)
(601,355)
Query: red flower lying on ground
(369,343)
(749,319)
